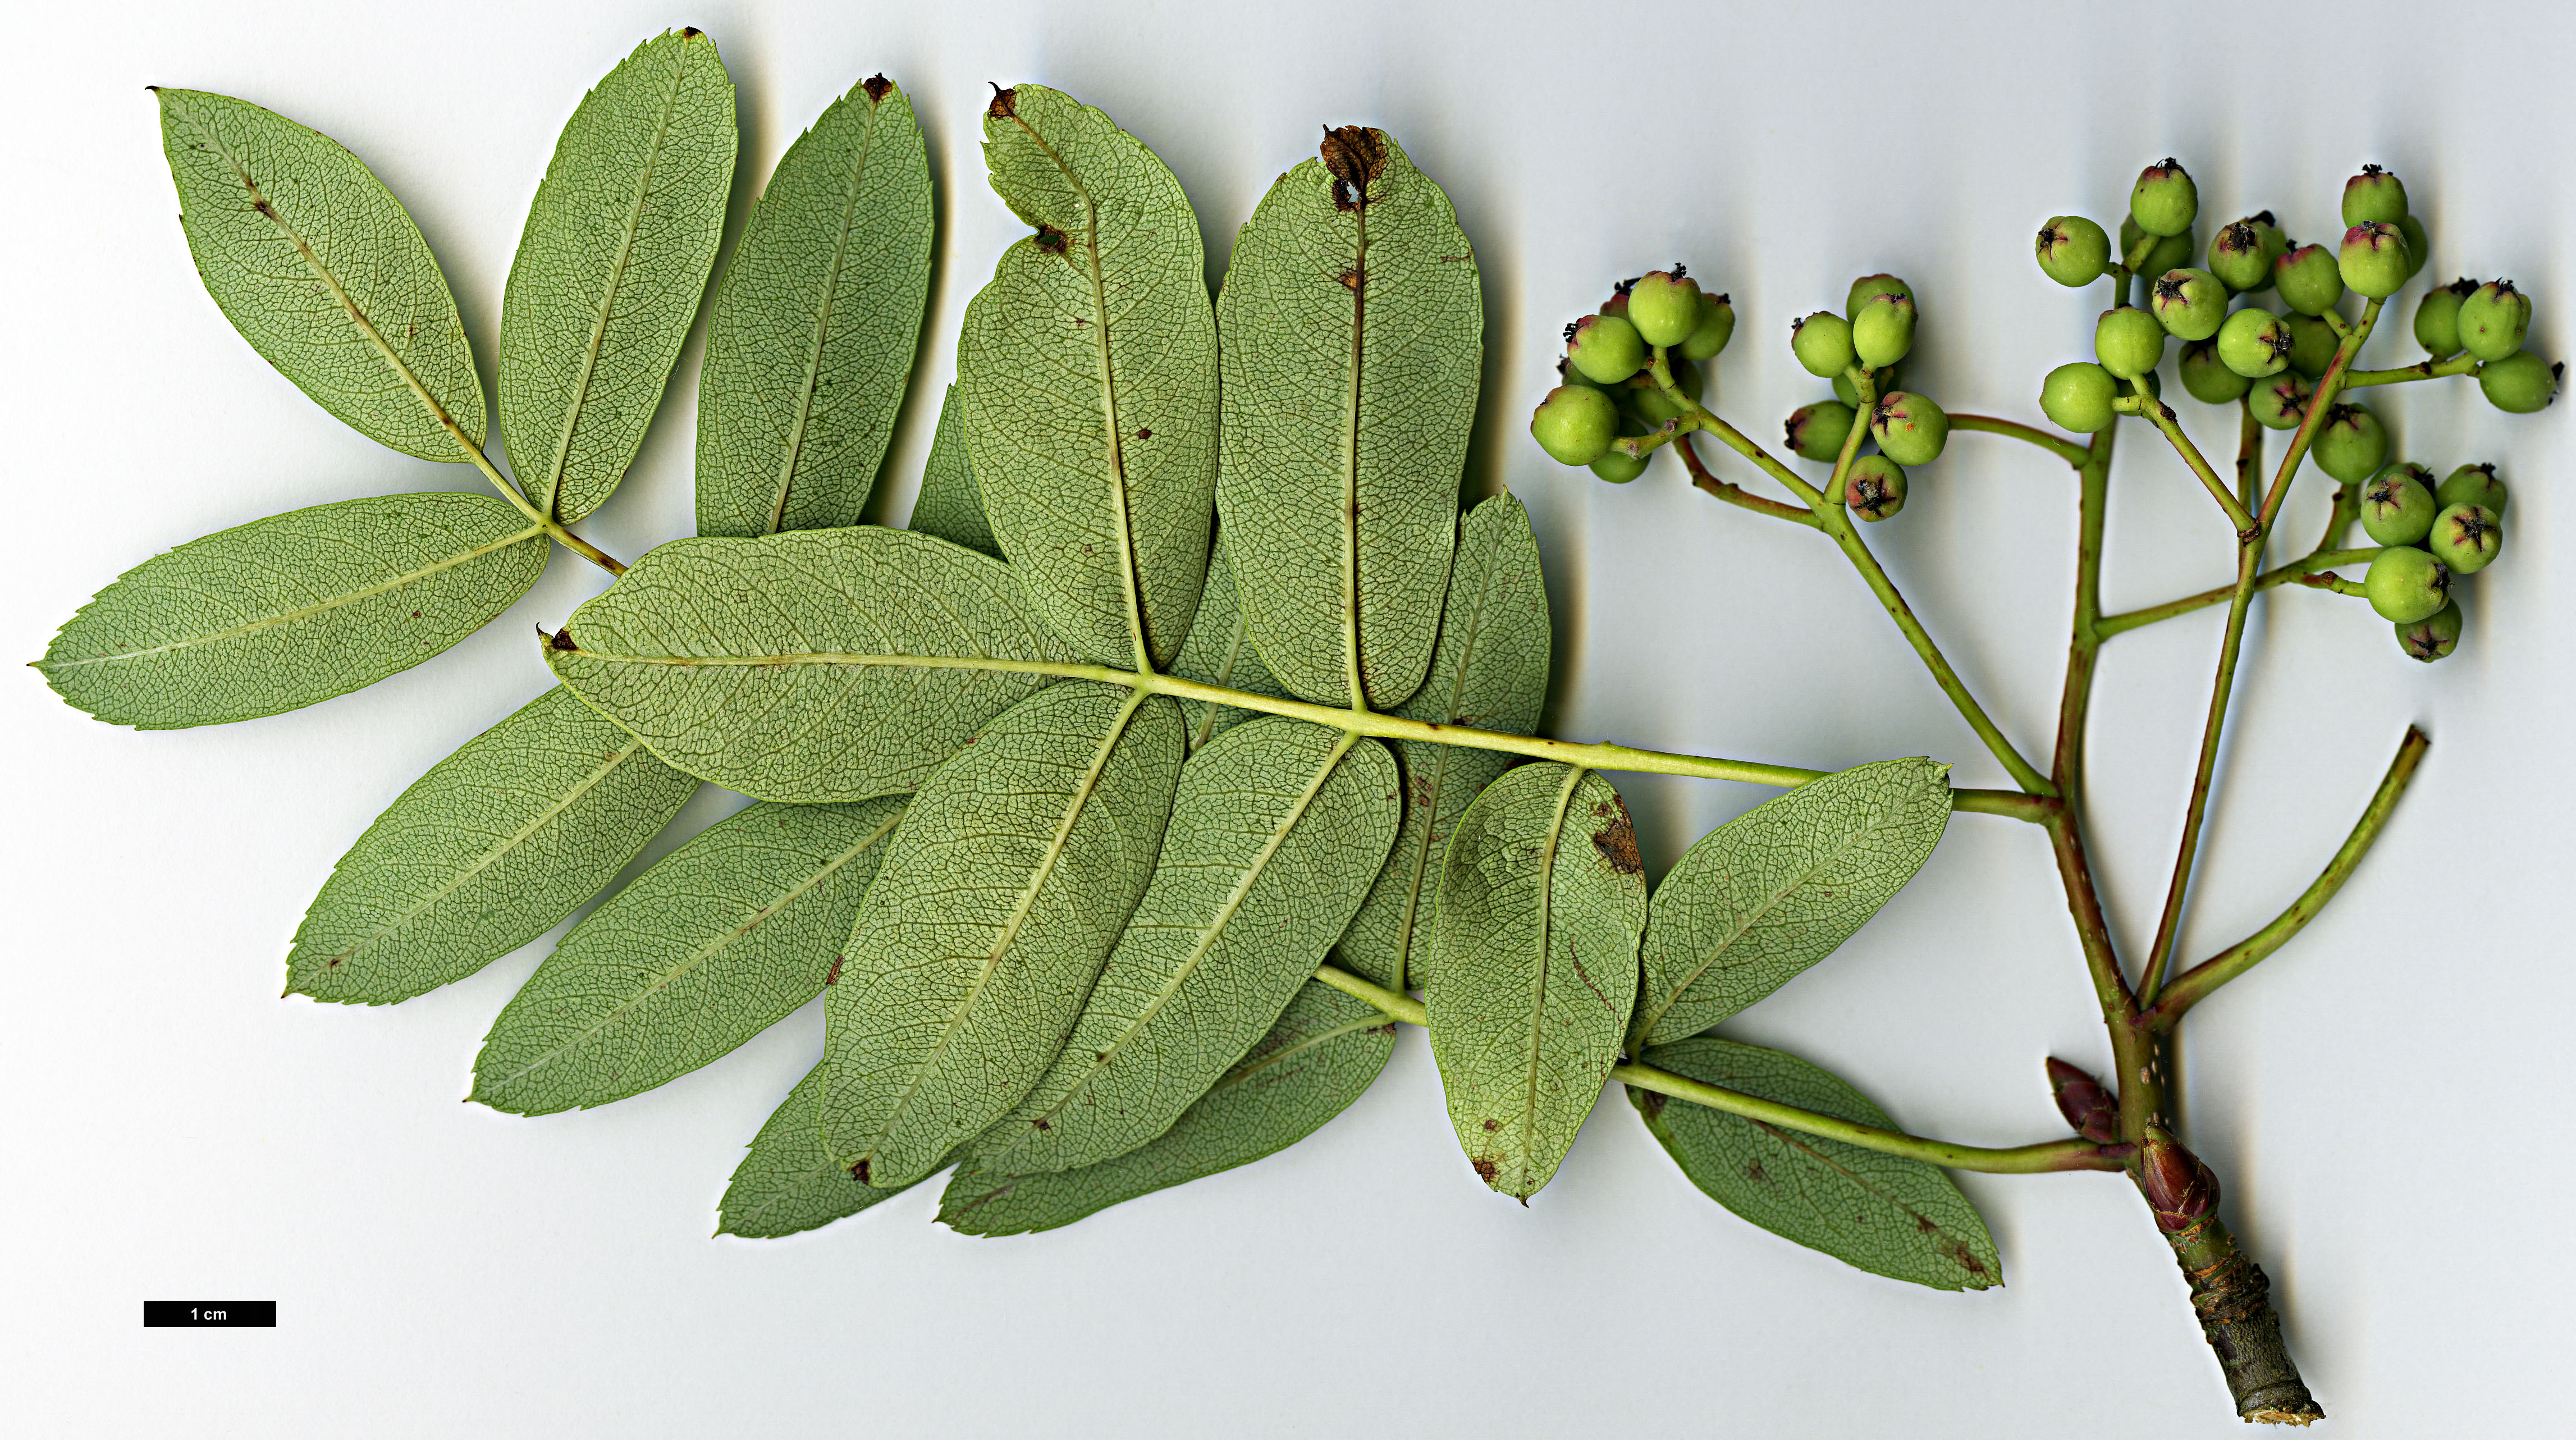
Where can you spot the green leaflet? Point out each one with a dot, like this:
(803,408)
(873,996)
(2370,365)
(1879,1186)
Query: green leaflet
(1883,1213)
(1219,653)
(716,942)
(949,506)
(1310,1067)
(1089,371)
(483,854)
(814,665)
(1771,892)
(787,1182)
(1489,672)
(1534,966)
(293,609)
(610,269)
(1353,321)
(812,336)
(1275,833)
(999,898)
(323,272)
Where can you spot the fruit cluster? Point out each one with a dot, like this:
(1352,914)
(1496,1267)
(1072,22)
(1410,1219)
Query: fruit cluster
(1658,320)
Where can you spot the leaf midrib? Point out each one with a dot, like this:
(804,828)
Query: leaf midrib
(1546,947)
(823,324)
(1350,516)
(1449,715)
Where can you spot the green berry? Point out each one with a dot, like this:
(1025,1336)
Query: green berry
(2493,319)
(2310,283)
(1617,468)
(2128,341)
(2397,507)
(2472,485)
(2241,256)
(1868,286)
(2312,344)
(2351,445)
(2190,304)
(1909,429)
(2437,318)
(2171,252)
(2281,402)
(2465,538)
(1874,487)
(1605,348)
(2418,245)
(1644,399)
(2374,194)
(2209,380)
(1566,374)
(2406,585)
(1882,329)
(2434,636)
(1575,424)
(2373,260)
(2078,397)
(2254,344)
(2164,200)
(1617,304)
(1716,327)
(2073,251)
(1823,343)
(2520,382)
(1664,306)
(1817,432)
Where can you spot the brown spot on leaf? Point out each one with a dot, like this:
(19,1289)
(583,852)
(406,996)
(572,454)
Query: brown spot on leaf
(1144,434)
(1050,239)
(1041,1124)
(875,87)
(1654,1103)
(1486,1170)
(834,978)
(859,1172)
(1000,108)
(1350,279)
(562,640)
(1754,1172)
(1356,156)
(690,32)
(1617,842)
(1492,1125)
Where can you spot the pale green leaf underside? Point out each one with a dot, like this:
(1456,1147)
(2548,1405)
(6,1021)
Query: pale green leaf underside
(1489,672)
(1000,896)
(1275,834)
(809,666)
(293,609)
(610,269)
(1882,1213)
(949,506)
(1219,653)
(323,272)
(716,942)
(811,340)
(1534,966)
(483,854)
(1353,325)
(787,1182)
(1089,371)
(1310,1067)
(1771,892)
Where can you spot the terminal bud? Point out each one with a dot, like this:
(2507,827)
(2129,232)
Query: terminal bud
(2090,1110)
(2180,1190)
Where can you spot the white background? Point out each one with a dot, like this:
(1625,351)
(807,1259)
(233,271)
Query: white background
(2383,1098)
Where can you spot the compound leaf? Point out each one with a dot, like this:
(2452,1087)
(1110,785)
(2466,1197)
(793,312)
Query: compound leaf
(611,267)
(716,942)
(322,270)
(788,1182)
(1353,320)
(1219,653)
(808,666)
(1882,1213)
(1000,896)
(949,506)
(1323,1052)
(293,609)
(1277,829)
(1534,966)
(483,854)
(1089,371)
(1771,892)
(812,336)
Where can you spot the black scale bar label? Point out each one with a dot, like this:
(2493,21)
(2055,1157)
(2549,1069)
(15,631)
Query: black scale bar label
(209,1314)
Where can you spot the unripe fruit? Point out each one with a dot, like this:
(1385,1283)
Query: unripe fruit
(2418,245)
(1882,328)
(2240,257)
(2312,344)
(2351,445)
(2164,200)
(2434,636)
(2374,194)
(2373,260)
(1716,327)
(1575,424)
(2171,252)
(2281,402)
(2465,538)
(1867,286)
(1822,342)
(1642,398)
(1909,429)
(2397,507)
(2472,485)
(2207,378)
(1817,432)
(1617,304)
(2519,383)
(1874,487)
(2078,397)
(1664,306)
(2406,585)
(1619,469)
(2190,304)
(2128,341)
(2493,319)
(1605,348)
(2254,344)
(2309,281)
(2437,318)
(2073,250)
(1566,374)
